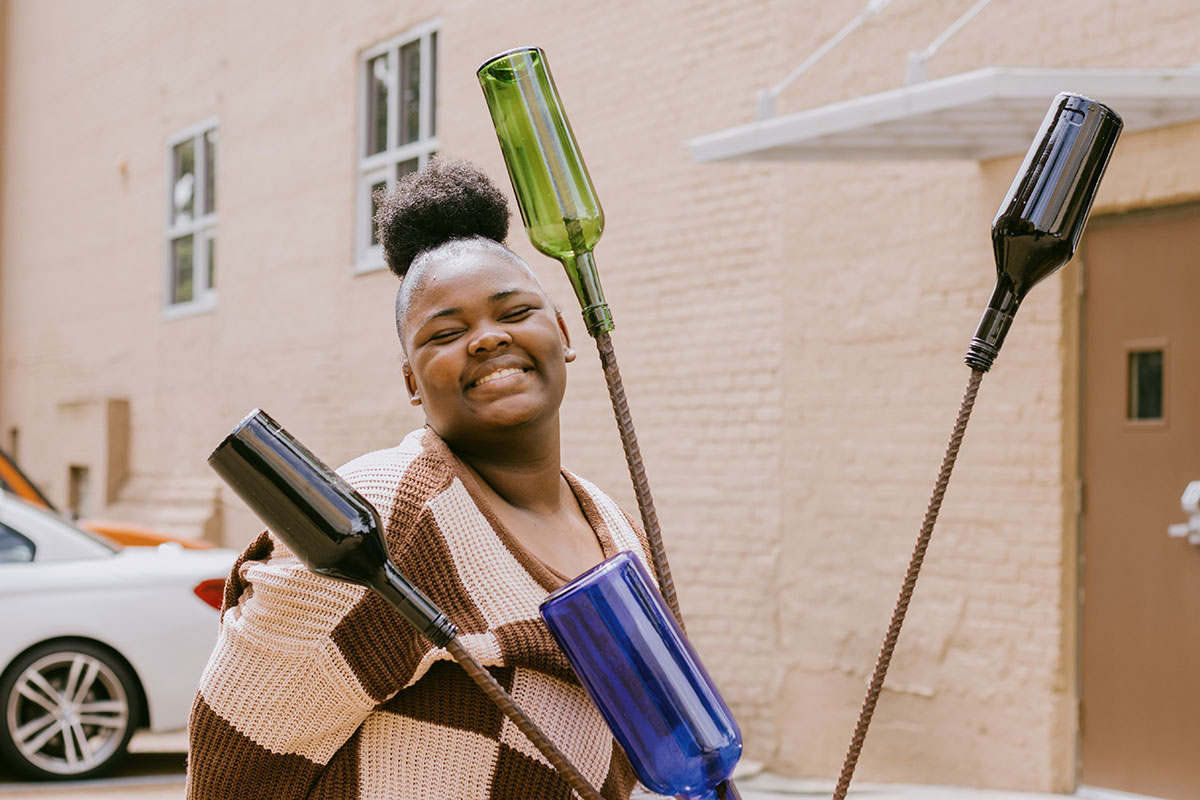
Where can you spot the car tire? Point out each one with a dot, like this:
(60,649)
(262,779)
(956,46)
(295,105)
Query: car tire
(67,710)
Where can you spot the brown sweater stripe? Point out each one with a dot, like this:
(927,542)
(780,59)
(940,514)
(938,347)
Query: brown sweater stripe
(447,696)
(621,780)
(380,662)
(426,475)
(595,516)
(235,768)
(340,778)
(536,779)
(636,527)
(431,567)
(416,546)
(523,645)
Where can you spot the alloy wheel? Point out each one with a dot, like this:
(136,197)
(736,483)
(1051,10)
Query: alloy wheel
(68,713)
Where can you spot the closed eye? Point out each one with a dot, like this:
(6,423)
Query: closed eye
(445,335)
(517,314)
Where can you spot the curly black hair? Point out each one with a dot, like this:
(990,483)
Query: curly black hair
(449,199)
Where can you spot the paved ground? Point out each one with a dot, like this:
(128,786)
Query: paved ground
(765,787)
(773,787)
(155,769)
(145,777)
(762,787)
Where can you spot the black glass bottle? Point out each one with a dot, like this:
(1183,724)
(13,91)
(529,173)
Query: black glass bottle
(321,518)
(1042,217)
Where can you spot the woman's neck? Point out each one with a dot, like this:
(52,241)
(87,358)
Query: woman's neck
(525,472)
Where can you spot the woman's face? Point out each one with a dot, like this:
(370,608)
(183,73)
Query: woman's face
(486,350)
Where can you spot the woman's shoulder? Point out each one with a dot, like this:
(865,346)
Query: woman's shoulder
(418,456)
(399,457)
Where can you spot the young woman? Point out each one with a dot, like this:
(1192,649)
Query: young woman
(318,689)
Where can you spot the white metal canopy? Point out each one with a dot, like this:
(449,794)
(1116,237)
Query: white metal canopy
(981,114)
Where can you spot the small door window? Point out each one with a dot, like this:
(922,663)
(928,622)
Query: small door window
(1145,382)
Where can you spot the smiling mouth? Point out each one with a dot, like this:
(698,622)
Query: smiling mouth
(498,374)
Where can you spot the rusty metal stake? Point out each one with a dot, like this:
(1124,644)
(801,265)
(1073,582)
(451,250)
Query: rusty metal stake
(637,471)
(906,590)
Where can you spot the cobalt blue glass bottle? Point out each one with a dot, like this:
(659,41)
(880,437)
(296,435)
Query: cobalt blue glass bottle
(646,679)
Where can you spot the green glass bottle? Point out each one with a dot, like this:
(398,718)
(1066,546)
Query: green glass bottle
(558,204)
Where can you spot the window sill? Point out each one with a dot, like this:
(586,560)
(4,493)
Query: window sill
(203,305)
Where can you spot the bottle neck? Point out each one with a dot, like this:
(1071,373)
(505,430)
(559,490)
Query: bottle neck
(413,605)
(585,280)
(993,325)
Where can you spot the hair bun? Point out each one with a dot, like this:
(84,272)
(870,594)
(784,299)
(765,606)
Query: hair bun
(448,199)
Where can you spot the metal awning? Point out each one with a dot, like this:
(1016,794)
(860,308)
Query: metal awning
(981,114)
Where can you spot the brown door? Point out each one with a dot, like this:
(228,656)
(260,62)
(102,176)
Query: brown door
(1140,671)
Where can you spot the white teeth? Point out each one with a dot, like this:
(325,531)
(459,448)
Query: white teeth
(497,375)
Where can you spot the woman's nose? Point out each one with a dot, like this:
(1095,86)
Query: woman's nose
(489,339)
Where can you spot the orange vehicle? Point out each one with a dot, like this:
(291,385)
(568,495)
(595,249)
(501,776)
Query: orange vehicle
(14,481)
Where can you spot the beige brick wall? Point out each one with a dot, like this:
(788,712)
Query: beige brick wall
(896,270)
(790,335)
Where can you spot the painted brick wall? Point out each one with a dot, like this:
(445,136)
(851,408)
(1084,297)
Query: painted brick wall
(790,334)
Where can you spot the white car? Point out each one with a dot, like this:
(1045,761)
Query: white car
(96,640)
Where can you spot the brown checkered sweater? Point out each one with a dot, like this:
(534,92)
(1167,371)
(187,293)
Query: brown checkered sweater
(319,689)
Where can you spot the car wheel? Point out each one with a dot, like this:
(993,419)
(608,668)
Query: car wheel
(69,709)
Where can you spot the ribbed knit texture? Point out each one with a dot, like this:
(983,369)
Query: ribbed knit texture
(319,689)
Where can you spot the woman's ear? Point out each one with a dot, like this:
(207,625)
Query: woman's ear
(568,351)
(410,384)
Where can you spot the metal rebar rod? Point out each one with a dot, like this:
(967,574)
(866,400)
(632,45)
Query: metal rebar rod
(637,471)
(501,698)
(906,591)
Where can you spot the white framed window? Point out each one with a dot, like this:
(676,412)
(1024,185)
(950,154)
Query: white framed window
(397,125)
(191,237)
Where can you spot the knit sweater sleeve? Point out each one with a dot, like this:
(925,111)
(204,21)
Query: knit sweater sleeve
(301,660)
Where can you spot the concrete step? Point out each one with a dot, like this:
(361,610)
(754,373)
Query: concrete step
(184,506)
(157,489)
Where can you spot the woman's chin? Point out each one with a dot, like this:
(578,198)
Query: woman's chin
(512,414)
(514,420)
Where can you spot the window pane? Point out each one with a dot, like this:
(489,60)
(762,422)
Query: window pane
(211,242)
(410,92)
(377,101)
(407,167)
(1146,385)
(210,171)
(433,84)
(14,547)
(181,270)
(377,192)
(183,184)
